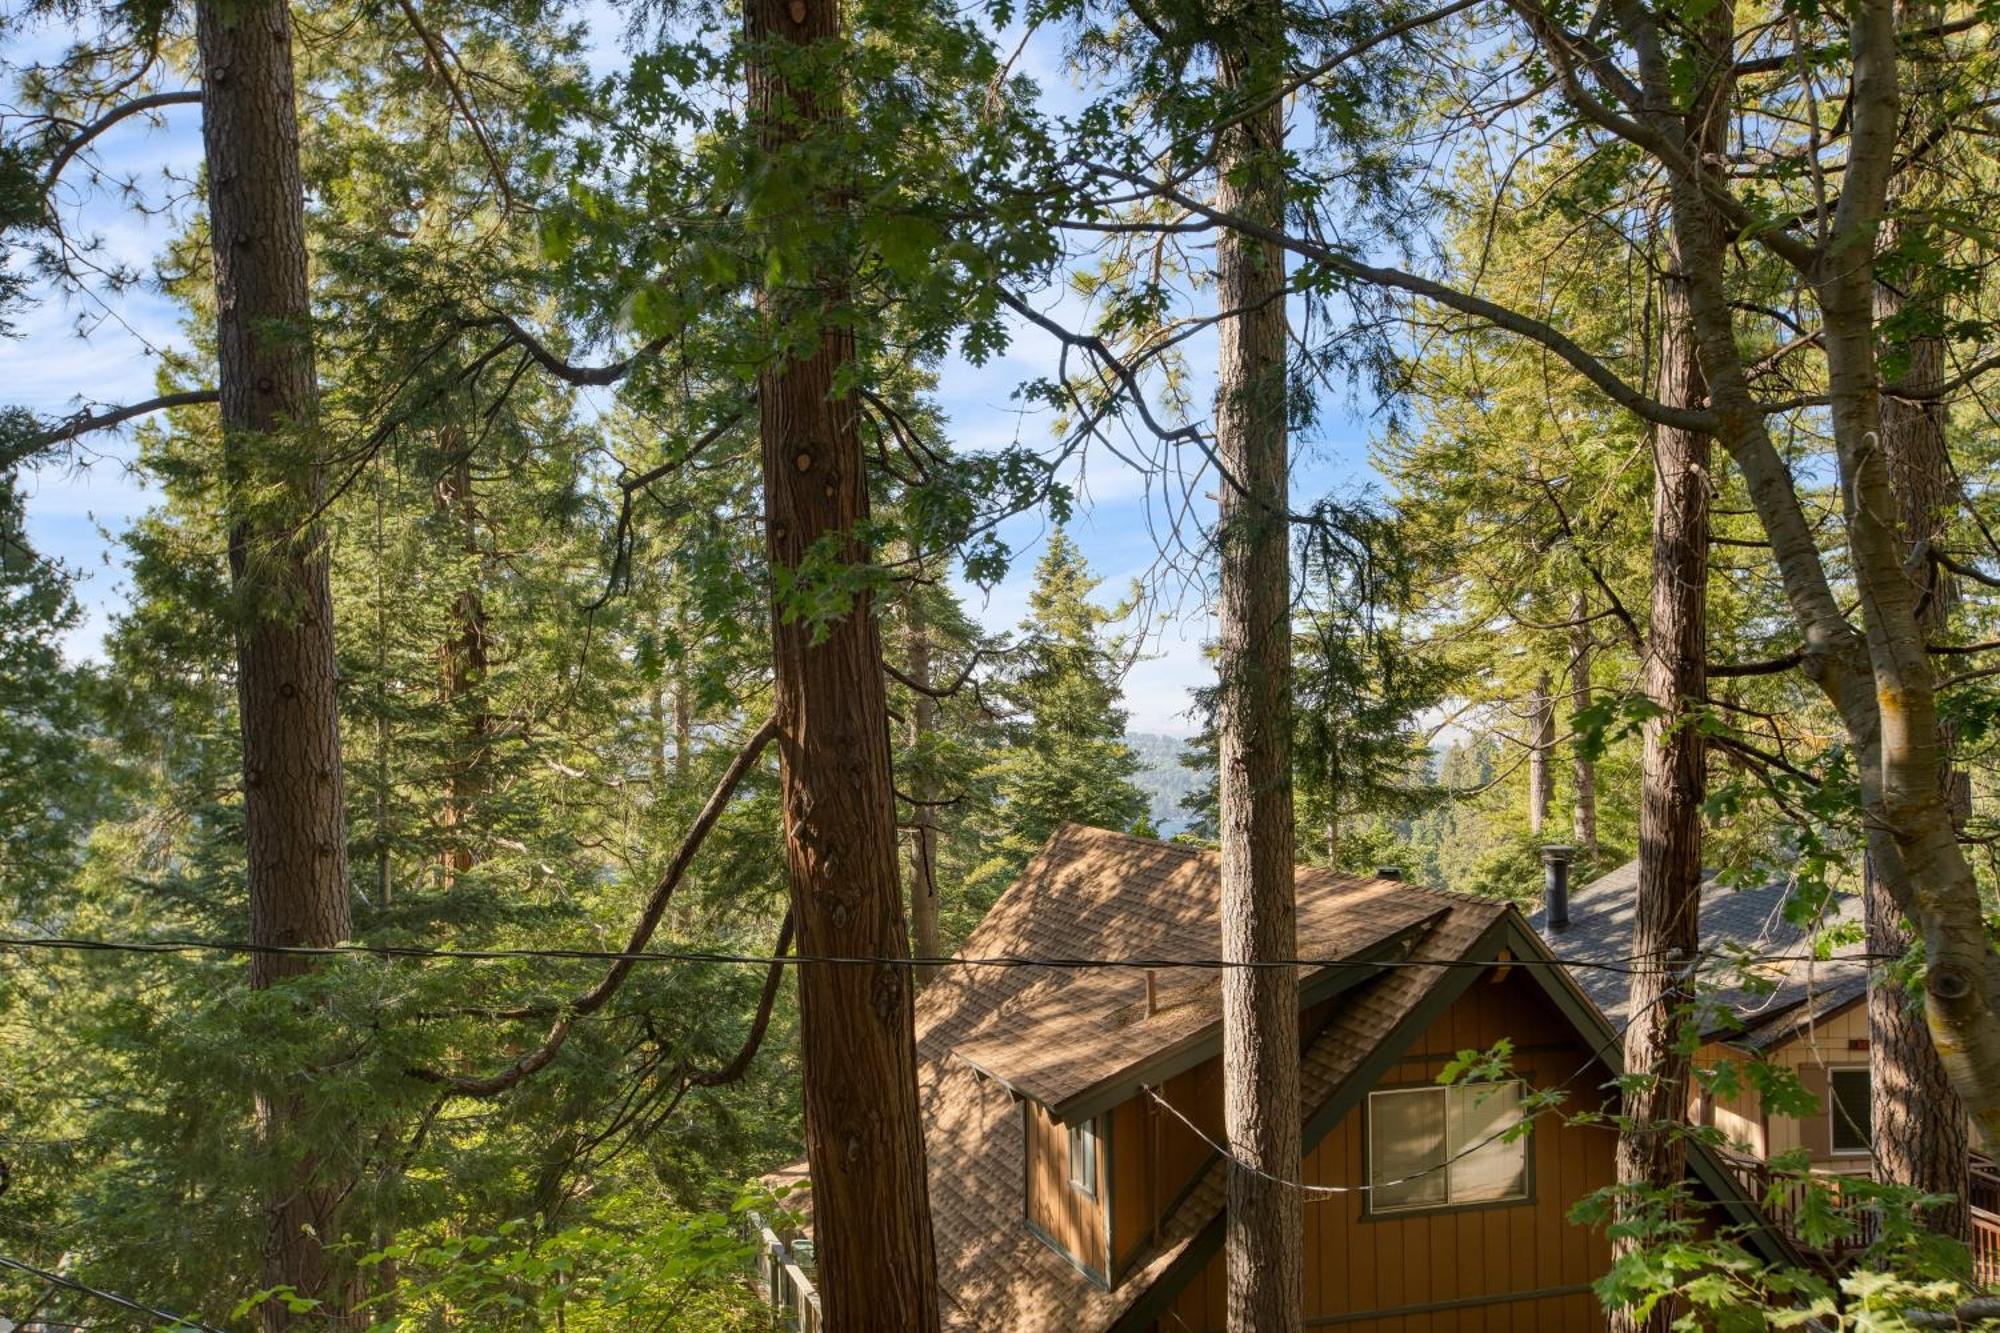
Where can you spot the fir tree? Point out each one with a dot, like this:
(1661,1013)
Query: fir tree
(1067,760)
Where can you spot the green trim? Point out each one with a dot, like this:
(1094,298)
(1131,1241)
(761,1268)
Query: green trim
(1370,1213)
(1194,1256)
(1035,1229)
(1368,1074)
(1079,1265)
(1557,982)
(1173,1205)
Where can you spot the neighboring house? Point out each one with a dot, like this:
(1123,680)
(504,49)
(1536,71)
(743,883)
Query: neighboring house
(1808,1014)
(1068,1192)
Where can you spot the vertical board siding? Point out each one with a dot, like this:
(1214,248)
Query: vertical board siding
(1839,1040)
(1357,1264)
(1066,1216)
(1740,1117)
(1130,1143)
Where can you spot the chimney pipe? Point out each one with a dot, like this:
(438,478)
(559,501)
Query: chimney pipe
(1555,886)
(1388,872)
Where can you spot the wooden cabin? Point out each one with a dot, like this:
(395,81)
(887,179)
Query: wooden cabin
(1810,1015)
(1073,1116)
(1803,1013)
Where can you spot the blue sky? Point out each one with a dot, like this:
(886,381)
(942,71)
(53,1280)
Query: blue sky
(77,513)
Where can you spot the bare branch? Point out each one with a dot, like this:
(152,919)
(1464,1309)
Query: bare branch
(642,933)
(85,422)
(125,111)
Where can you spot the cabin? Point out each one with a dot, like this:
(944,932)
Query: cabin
(1073,1116)
(1805,1013)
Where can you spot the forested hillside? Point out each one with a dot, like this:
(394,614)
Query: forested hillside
(557,559)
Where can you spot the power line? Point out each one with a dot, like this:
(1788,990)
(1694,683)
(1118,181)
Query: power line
(1321,1193)
(1632,964)
(170,1319)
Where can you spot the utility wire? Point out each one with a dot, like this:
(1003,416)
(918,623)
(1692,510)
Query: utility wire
(1627,965)
(1321,1193)
(171,1320)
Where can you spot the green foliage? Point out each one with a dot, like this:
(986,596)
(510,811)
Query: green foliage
(652,1269)
(1067,759)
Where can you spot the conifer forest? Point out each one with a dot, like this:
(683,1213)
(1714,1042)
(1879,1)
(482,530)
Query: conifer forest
(999,664)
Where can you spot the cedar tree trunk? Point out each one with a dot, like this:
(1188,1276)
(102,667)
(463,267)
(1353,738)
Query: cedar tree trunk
(923,833)
(1583,769)
(864,1136)
(1650,1153)
(1541,741)
(1916,1118)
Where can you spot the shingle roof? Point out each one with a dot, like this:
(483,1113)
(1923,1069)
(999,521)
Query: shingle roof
(1064,1037)
(994,1273)
(1735,923)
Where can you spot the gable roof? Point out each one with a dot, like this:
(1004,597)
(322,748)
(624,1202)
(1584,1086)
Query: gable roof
(1081,1040)
(1735,923)
(993,1273)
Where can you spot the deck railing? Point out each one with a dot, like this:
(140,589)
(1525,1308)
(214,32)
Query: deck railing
(783,1281)
(1784,1205)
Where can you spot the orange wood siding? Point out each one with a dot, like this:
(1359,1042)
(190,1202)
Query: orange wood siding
(1133,1190)
(1066,1216)
(1740,1117)
(1476,1268)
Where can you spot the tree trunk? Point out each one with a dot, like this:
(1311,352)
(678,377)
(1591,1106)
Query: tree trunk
(923,833)
(1916,1118)
(385,885)
(683,705)
(864,1135)
(294,828)
(1922,866)
(463,660)
(1260,1005)
(1541,741)
(1583,769)
(1650,1153)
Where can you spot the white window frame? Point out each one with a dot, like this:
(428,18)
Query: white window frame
(1834,1119)
(1083,1158)
(1451,1153)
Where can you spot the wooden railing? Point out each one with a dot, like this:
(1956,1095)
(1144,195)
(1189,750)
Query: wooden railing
(1982,1197)
(1784,1204)
(784,1282)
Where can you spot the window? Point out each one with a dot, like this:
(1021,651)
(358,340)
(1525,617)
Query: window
(1445,1147)
(1848,1098)
(1083,1157)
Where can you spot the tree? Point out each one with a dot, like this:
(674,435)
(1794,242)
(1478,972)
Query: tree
(1666,932)
(864,1136)
(1916,1120)
(294,816)
(1065,759)
(1626,89)
(1260,1005)
(51,784)
(1583,768)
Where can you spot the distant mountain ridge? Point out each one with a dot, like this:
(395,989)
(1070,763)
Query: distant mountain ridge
(1162,778)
